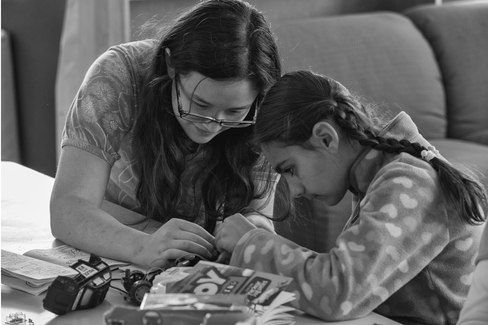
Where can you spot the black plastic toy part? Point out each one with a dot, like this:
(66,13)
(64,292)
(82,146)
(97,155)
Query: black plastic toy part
(85,290)
(137,284)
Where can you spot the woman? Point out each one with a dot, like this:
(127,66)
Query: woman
(162,128)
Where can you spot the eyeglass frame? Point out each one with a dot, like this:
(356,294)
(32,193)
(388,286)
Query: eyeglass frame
(208,119)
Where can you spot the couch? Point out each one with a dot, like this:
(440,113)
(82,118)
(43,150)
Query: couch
(430,61)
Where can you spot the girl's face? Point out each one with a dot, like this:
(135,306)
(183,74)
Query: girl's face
(222,100)
(321,173)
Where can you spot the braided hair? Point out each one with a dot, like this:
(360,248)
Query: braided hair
(300,99)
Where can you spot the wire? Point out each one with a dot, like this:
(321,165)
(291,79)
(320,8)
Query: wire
(118,289)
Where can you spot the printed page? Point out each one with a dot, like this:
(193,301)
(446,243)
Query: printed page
(277,312)
(66,255)
(23,285)
(31,269)
(214,278)
(29,274)
(265,291)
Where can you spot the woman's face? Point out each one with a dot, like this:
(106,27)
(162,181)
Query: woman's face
(222,100)
(314,174)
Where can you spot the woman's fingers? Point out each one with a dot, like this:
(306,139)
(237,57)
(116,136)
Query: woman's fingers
(195,229)
(170,255)
(178,229)
(192,247)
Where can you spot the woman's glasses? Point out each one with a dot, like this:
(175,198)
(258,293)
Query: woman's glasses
(197,118)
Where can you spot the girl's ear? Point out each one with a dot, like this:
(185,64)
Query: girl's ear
(169,63)
(325,136)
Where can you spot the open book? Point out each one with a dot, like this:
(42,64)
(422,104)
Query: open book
(36,269)
(265,292)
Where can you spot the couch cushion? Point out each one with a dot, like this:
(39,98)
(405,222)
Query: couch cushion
(382,56)
(458,34)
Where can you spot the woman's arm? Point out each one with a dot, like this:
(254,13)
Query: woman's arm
(76,217)
(78,220)
(128,217)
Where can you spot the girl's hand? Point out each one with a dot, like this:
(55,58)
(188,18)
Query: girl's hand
(261,222)
(175,239)
(230,231)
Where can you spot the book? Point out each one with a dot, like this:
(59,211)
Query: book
(181,308)
(187,301)
(35,270)
(265,292)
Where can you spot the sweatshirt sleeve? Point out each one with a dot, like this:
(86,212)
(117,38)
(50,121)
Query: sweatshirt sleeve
(401,227)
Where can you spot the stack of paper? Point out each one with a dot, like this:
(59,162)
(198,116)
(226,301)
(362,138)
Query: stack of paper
(36,269)
(29,274)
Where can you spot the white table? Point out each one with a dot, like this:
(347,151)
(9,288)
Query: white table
(25,225)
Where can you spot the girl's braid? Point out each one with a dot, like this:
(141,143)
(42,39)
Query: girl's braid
(466,194)
(347,119)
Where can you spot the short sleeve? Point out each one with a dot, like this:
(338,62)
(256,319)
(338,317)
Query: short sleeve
(102,113)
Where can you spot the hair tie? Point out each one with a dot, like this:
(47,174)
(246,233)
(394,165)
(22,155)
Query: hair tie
(429,153)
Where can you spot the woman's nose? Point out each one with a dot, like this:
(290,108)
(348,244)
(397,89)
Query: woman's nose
(212,126)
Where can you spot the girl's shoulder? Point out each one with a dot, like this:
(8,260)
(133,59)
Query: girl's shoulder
(406,170)
(404,177)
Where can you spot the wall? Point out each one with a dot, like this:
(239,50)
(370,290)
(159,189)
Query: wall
(35,30)
(275,10)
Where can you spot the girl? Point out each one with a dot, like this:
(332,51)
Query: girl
(407,251)
(163,128)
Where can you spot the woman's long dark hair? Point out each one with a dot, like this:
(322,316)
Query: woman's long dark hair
(222,40)
(300,99)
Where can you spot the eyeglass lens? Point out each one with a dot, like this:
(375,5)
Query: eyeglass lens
(197,114)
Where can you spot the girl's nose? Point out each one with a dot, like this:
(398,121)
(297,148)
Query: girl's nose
(295,192)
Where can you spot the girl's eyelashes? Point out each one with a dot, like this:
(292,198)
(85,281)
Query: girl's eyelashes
(289,170)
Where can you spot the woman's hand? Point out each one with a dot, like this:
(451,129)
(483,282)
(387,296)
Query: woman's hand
(175,239)
(230,231)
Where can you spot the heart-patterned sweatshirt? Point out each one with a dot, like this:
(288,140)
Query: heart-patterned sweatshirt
(404,253)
